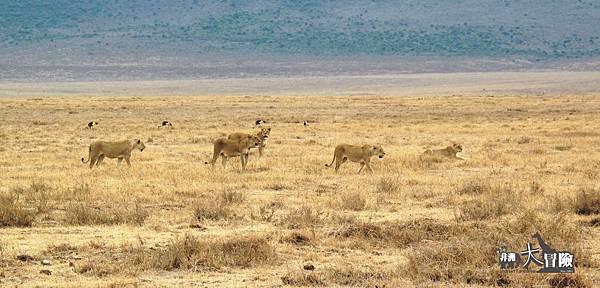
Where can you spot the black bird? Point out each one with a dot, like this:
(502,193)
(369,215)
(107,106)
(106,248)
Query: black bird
(259,122)
(92,124)
(165,124)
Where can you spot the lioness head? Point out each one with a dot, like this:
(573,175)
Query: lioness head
(457,147)
(138,144)
(264,133)
(378,150)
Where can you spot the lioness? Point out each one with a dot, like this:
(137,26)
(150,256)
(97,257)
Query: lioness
(263,135)
(449,151)
(121,150)
(227,148)
(360,154)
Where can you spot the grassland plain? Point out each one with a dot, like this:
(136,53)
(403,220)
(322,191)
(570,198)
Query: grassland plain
(532,164)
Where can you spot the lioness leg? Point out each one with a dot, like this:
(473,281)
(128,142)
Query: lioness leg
(127,160)
(216,154)
(368,164)
(93,159)
(362,165)
(260,150)
(339,161)
(119,161)
(242,159)
(99,160)
(224,161)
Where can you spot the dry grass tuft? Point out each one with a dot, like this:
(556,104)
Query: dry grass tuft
(38,193)
(487,208)
(389,185)
(98,267)
(345,276)
(12,212)
(422,161)
(212,210)
(80,214)
(575,280)
(453,261)
(495,201)
(396,234)
(303,217)
(277,186)
(229,196)
(299,237)
(474,187)
(355,201)
(189,252)
(587,202)
(302,278)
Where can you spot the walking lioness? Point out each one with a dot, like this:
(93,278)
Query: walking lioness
(262,135)
(360,154)
(228,148)
(121,150)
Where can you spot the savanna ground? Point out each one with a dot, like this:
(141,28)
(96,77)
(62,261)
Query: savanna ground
(532,164)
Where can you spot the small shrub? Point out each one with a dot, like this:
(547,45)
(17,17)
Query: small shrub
(38,193)
(563,147)
(575,280)
(536,188)
(303,217)
(266,212)
(212,210)
(12,212)
(191,252)
(495,201)
(302,278)
(474,187)
(80,214)
(231,197)
(299,237)
(39,123)
(355,201)
(425,161)
(278,186)
(389,185)
(454,261)
(587,202)
(344,277)
(97,267)
(397,234)
(482,209)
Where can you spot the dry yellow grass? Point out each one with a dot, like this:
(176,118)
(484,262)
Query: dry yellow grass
(532,165)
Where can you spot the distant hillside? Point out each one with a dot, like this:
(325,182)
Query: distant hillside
(65,31)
